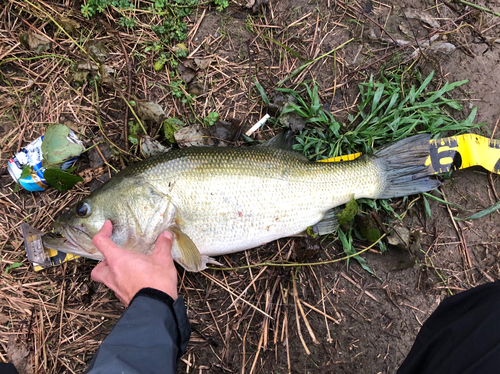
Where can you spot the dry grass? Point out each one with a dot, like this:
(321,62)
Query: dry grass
(246,321)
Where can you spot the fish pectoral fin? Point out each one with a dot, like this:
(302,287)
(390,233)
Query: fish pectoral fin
(190,255)
(204,261)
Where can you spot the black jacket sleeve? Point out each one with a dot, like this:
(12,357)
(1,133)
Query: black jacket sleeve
(150,337)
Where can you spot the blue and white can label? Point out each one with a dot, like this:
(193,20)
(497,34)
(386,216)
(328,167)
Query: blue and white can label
(31,155)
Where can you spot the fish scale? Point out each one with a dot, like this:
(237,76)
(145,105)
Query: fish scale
(224,200)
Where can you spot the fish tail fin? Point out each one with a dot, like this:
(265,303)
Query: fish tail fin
(404,168)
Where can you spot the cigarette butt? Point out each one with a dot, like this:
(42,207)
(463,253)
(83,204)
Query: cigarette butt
(257,125)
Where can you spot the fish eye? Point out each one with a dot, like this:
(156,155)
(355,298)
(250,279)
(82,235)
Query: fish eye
(82,209)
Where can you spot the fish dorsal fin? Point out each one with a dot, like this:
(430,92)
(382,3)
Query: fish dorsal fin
(190,255)
(284,140)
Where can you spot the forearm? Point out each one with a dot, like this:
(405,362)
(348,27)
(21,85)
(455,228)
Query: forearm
(151,336)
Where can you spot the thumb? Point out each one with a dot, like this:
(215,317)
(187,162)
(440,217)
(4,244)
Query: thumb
(163,246)
(102,240)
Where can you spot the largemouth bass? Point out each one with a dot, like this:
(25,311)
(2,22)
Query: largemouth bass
(218,201)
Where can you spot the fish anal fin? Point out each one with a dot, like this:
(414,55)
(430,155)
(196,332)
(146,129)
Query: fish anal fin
(328,223)
(191,258)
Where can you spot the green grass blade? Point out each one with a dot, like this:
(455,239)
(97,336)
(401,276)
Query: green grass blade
(481,214)
(446,88)
(428,212)
(377,97)
(424,85)
(350,250)
(261,90)
(444,201)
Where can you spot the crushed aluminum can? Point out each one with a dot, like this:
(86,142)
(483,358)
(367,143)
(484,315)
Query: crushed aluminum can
(31,155)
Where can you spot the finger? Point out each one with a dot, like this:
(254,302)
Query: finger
(102,240)
(101,272)
(163,246)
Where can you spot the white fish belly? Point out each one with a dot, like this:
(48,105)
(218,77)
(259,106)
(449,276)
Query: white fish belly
(228,215)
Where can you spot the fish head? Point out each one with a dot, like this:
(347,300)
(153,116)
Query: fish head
(138,212)
(74,230)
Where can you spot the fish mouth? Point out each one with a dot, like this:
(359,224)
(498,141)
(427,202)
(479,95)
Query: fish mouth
(73,240)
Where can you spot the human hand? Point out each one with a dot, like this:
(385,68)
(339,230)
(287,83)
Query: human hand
(127,272)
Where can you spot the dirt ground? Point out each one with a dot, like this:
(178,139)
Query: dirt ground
(53,321)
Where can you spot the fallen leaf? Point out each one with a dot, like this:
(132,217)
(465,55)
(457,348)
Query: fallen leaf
(72,126)
(436,46)
(255,4)
(59,145)
(61,180)
(88,66)
(278,101)
(368,227)
(18,353)
(190,64)
(98,51)
(187,74)
(82,71)
(405,29)
(443,47)
(100,180)
(90,174)
(422,16)
(222,132)
(416,243)
(400,237)
(292,120)
(4,318)
(79,77)
(36,42)
(95,158)
(106,73)
(195,88)
(149,111)
(193,136)
(305,248)
(203,63)
(170,126)
(151,147)
(69,24)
